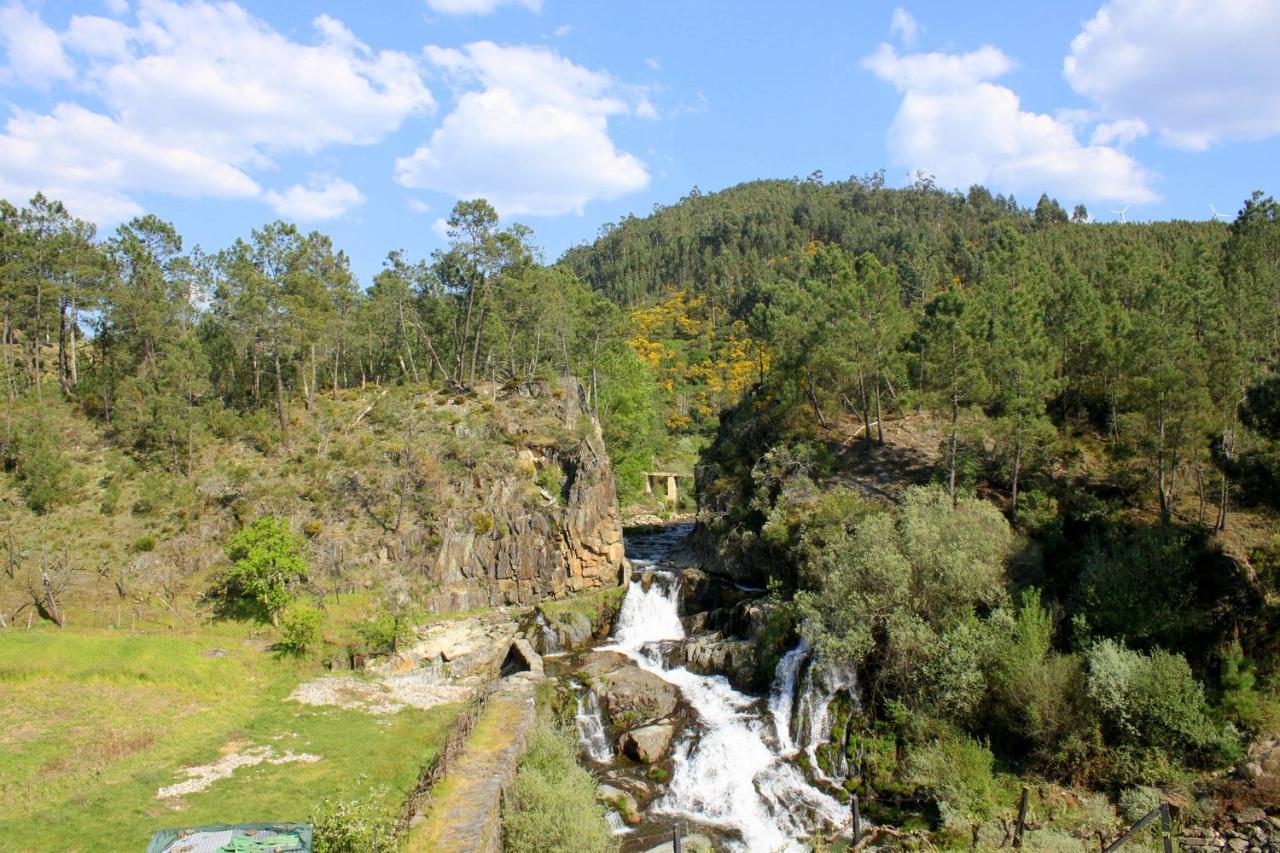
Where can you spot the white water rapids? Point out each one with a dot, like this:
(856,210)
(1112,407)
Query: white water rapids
(732,768)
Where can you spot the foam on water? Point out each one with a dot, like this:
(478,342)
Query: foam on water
(726,771)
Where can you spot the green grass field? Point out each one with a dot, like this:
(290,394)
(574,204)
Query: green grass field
(93,723)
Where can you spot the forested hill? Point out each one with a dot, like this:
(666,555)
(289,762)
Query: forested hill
(1007,322)
(715,242)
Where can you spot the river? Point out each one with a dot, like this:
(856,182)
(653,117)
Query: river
(732,767)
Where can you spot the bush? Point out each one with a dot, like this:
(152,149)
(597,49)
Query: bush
(299,631)
(46,476)
(391,626)
(1152,702)
(551,806)
(1138,586)
(267,560)
(957,771)
(353,824)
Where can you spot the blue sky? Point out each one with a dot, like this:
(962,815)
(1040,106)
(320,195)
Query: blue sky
(368,120)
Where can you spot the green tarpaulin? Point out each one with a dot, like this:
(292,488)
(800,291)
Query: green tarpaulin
(237,838)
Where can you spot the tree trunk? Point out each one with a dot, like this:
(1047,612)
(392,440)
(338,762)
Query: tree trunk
(1017,469)
(75,335)
(1228,446)
(955,428)
(879,415)
(280,403)
(813,401)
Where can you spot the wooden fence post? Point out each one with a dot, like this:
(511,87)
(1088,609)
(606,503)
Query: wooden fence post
(857,820)
(1166,827)
(675,839)
(1022,817)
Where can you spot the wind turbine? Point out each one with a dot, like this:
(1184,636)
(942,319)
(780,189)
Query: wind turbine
(1216,214)
(1121,212)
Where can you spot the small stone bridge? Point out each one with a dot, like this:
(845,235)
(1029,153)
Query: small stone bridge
(673,494)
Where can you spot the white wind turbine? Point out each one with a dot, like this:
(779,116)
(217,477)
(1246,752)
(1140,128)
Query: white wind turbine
(1121,212)
(1216,214)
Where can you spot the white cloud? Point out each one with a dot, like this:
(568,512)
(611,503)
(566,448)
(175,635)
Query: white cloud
(533,138)
(479,7)
(34,51)
(957,125)
(1119,133)
(653,63)
(99,38)
(94,164)
(441,227)
(323,197)
(905,27)
(1197,71)
(417,205)
(117,7)
(198,95)
(563,30)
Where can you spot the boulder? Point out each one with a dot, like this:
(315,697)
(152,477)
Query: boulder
(629,696)
(597,663)
(622,802)
(648,744)
(736,660)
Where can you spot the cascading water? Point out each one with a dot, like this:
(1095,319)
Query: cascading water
(591,734)
(810,721)
(725,771)
(782,693)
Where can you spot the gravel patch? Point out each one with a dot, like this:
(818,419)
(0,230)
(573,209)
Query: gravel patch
(387,695)
(201,777)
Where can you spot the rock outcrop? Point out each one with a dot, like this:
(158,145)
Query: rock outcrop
(648,744)
(512,550)
(629,696)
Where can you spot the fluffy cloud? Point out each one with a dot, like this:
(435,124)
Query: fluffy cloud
(532,138)
(1198,71)
(35,52)
(956,124)
(323,197)
(197,95)
(905,27)
(479,7)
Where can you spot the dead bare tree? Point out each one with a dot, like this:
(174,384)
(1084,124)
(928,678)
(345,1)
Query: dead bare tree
(46,587)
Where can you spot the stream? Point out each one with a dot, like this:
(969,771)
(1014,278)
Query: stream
(733,774)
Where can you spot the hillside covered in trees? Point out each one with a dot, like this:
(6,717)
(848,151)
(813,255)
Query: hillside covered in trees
(1018,468)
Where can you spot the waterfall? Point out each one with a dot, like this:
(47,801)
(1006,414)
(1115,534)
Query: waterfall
(547,636)
(591,735)
(617,826)
(782,693)
(650,613)
(812,713)
(724,770)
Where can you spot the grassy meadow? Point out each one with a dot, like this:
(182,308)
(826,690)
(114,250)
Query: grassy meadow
(94,723)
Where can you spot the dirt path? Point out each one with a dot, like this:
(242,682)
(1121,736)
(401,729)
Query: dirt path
(464,811)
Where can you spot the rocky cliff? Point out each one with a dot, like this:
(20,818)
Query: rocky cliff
(505,549)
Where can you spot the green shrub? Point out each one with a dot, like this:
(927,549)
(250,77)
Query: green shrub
(391,624)
(1138,586)
(299,631)
(957,770)
(353,824)
(1242,704)
(1134,803)
(45,474)
(267,560)
(551,479)
(145,544)
(551,806)
(1152,702)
